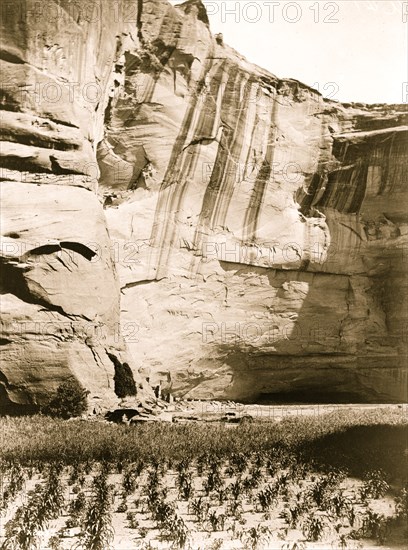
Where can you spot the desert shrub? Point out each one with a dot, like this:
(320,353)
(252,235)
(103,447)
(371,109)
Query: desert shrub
(123,379)
(69,401)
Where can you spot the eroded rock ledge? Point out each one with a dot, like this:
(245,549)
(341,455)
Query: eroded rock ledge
(228,233)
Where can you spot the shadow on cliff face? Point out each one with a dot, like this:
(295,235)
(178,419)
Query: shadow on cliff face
(363,448)
(8,408)
(298,351)
(346,344)
(333,352)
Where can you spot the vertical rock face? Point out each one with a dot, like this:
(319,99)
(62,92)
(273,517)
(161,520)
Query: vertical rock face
(60,293)
(258,231)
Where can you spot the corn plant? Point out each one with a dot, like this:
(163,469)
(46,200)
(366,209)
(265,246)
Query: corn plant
(76,510)
(374,486)
(14,486)
(282,483)
(313,528)
(177,531)
(258,459)
(216,544)
(320,492)
(273,462)
(375,526)
(255,537)
(342,543)
(146,546)
(235,509)
(185,484)
(292,514)
(97,531)
(351,515)
(174,527)
(162,511)
(133,522)
(221,495)
(54,543)
(129,481)
(53,493)
(213,480)
(238,463)
(268,496)
(298,470)
(200,508)
(236,489)
(340,504)
(153,489)
(76,475)
(295,545)
(217,521)
(255,476)
(202,462)
(401,504)
(122,506)
(44,503)
(21,532)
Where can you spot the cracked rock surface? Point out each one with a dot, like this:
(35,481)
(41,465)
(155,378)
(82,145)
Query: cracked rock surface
(229,234)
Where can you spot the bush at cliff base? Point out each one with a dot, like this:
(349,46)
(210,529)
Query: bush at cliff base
(69,401)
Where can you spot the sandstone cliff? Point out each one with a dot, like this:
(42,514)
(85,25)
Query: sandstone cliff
(229,233)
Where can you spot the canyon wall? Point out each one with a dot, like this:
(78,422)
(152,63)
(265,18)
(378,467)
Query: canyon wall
(60,291)
(230,234)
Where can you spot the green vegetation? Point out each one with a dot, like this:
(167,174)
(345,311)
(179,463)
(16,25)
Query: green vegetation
(322,440)
(169,483)
(44,503)
(69,401)
(97,531)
